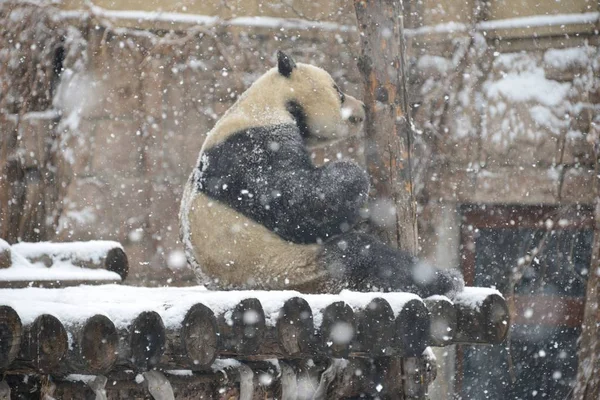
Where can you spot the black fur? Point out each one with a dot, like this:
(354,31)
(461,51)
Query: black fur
(297,111)
(285,64)
(266,174)
(361,262)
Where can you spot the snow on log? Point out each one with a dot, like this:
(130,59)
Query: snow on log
(243,328)
(142,343)
(442,325)
(10,335)
(93,346)
(482,316)
(195,343)
(5,255)
(43,346)
(95,254)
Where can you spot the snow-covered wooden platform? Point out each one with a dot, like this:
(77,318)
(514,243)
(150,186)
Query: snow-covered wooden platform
(106,329)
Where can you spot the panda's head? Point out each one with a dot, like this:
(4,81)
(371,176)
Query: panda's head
(316,103)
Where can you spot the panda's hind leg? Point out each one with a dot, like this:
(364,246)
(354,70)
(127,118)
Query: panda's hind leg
(362,262)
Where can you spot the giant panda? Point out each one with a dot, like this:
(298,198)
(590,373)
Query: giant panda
(257,214)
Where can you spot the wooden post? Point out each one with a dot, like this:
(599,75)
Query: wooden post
(388,140)
(388,133)
(587,386)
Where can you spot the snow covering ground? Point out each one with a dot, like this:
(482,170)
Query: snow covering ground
(27,263)
(123,303)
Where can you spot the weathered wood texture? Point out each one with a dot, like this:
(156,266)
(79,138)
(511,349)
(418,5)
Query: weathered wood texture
(43,346)
(10,335)
(388,133)
(93,346)
(194,345)
(486,321)
(142,343)
(442,326)
(587,386)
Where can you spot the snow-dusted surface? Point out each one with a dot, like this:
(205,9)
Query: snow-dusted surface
(123,303)
(208,20)
(473,297)
(92,250)
(509,23)
(62,256)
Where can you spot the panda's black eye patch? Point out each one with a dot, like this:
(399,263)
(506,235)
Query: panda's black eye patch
(342,95)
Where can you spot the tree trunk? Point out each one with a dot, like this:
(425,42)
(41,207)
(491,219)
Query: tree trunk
(388,147)
(587,386)
(388,134)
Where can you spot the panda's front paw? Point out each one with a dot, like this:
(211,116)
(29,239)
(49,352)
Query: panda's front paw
(450,282)
(346,180)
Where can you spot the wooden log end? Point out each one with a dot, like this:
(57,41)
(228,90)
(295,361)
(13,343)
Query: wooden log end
(147,340)
(10,335)
(248,328)
(199,336)
(443,320)
(46,343)
(337,329)
(412,329)
(99,345)
(375,328)
(485,319)
(116,261)
(295,327)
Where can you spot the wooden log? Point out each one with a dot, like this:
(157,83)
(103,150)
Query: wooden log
(293,334)
(243,329)
(295,327)
(10,335)
(93,346)
(412,329)
(142,343)
(94,255)
(482,316)
(337,329)
(375,328)
(5,255)
(195,344)
(43,347)
(442,325)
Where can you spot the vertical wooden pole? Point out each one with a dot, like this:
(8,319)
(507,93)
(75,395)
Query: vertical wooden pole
(388,150)
(388,133)
(587,386)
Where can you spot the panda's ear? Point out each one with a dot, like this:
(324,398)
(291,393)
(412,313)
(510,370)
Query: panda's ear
(285,64)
